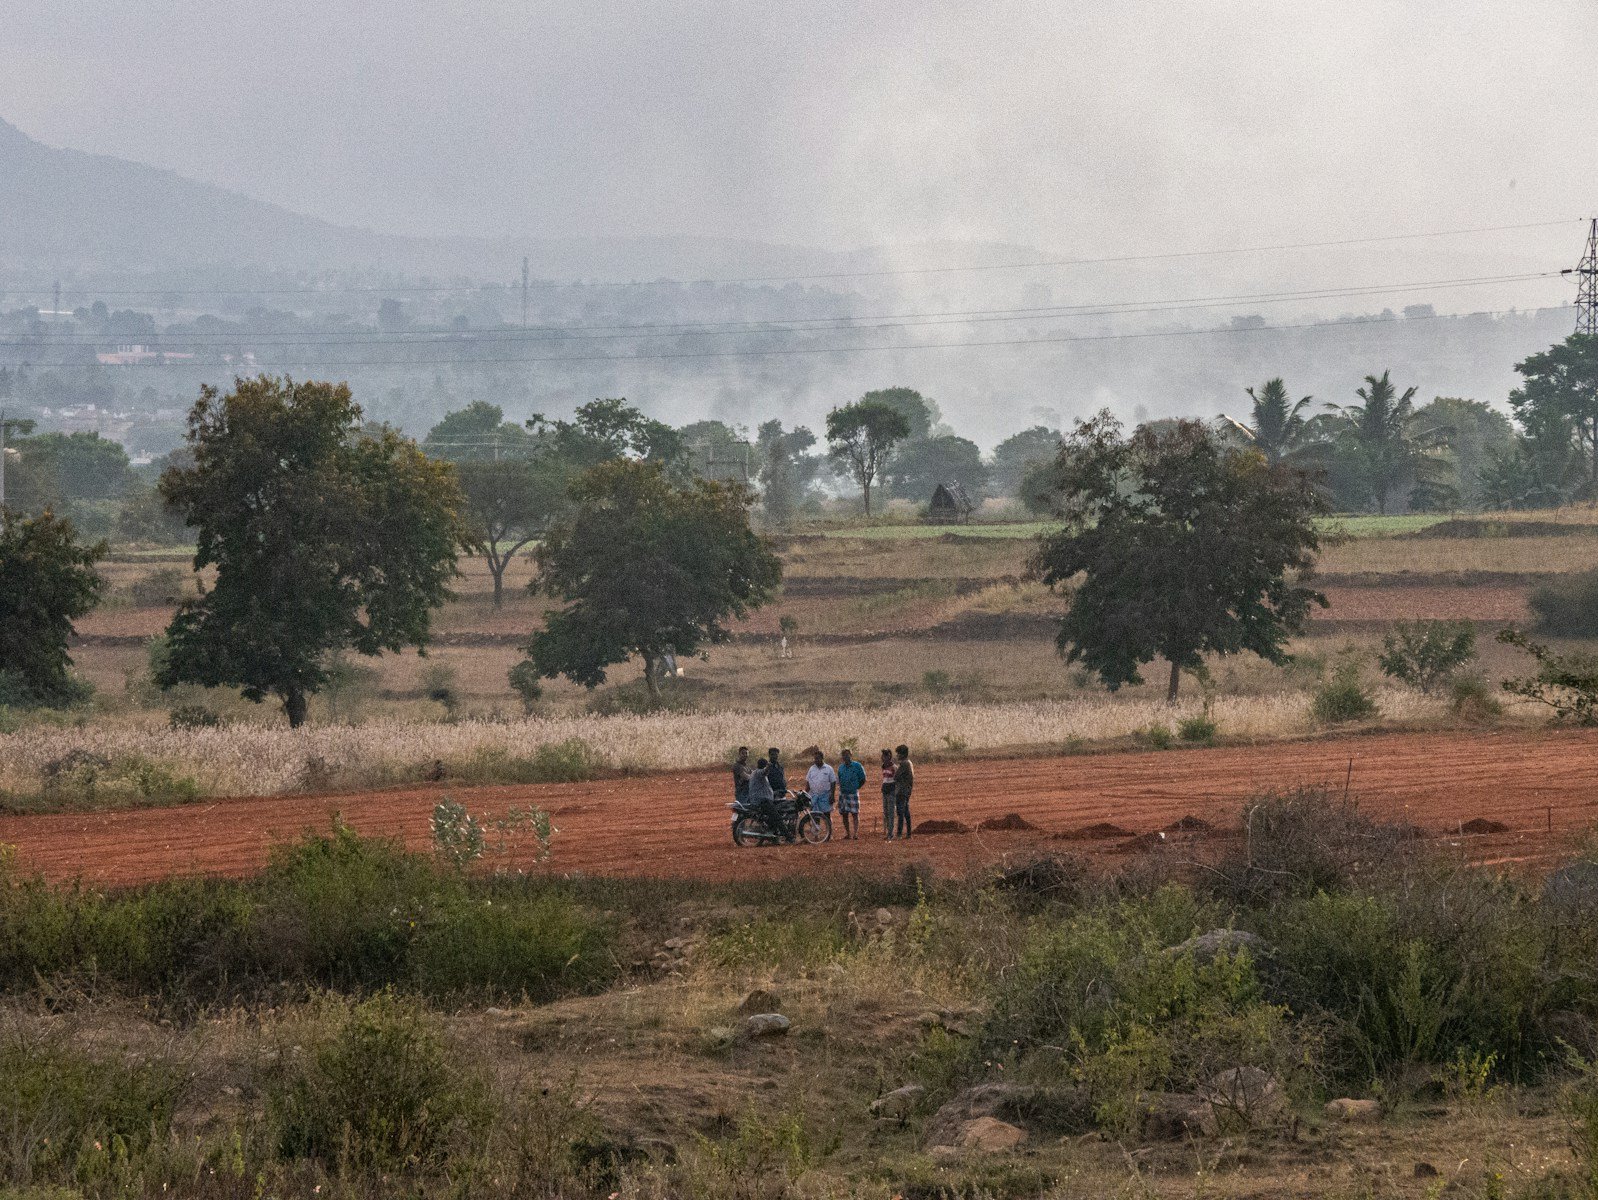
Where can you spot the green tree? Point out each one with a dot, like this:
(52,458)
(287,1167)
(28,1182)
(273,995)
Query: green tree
(75,466)
(1560,390)
(1472,434)
(1018,454)
(47,581)
(477,432)
(922,416)
(787,470)
(603,430)
(646,568)
(1183,548)
(917,467)
(1391,451)
(1277,425)
(509,503)
(862,436)
(323,539)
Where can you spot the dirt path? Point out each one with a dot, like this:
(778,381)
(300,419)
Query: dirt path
(676,825)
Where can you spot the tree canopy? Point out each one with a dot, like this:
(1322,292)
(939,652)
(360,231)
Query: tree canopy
(917,467)
(1019,453)
(325,538)
(1392,455)
(47,581)
(1176,547)
(1558,399)
(1277,425)
(786,470)
(646,567)
(477,432)
(862,436)
(922,416)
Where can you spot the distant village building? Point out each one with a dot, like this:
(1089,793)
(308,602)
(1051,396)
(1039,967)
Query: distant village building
(949,505)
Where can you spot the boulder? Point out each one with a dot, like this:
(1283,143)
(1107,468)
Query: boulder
(989,1135)
(1244,1093)
(764,1025)
(898,1104)
(1207,947)
(1059,1110)
(761,1000)
(1177,1115)
(1348,1109)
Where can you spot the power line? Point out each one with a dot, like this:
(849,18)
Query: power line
(1587,284)
(805,350)
(825,275)
(792,325)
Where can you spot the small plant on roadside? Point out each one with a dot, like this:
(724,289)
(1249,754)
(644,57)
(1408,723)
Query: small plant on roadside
(1344,696)
(1199,729)
(380,1092)
(1426,654)
(1158,736)
(525,683)
(460,839)
(437,682)
(954,744)
(1566,683)
(1471,698)
(937,682)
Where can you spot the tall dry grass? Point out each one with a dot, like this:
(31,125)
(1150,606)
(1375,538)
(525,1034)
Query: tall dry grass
(263,760)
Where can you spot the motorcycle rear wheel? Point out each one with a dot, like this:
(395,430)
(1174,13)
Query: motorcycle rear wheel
(743,831)
(814,830)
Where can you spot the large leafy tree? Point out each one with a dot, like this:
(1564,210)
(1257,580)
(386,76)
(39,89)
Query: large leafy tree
(603,430)
(1560,392)
(646,568)
(1018,454)
(917,467)
(1176,547)
(1277,425)
(1392,453)
(786,470)
(477,432)
(509,504)
(324,538)
(1473,435)
(922,415)
(862,436)
(47,581)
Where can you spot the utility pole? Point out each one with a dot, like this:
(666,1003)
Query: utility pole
(524,291)
(1587,284)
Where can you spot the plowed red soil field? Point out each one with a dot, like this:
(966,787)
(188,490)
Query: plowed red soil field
(1543,787)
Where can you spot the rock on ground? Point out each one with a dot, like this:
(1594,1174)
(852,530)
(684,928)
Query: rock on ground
(1061,1110)
(762,1025)
(1347,1109)
(898,1104)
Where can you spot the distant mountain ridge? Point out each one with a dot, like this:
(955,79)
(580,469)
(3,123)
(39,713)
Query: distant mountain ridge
(70,211)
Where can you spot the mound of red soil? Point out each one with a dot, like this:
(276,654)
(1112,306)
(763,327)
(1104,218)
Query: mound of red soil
(943,827)
(1141,843)
(1010,821)
(1189,824)
(1104,829)
(1483,825)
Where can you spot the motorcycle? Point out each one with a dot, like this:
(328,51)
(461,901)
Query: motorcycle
(751,826)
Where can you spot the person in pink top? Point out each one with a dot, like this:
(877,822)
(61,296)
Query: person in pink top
(887,795)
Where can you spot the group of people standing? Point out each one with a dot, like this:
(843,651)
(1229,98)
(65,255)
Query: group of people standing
(765,784)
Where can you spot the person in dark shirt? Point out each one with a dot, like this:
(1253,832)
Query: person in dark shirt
(775,774)
(740,776)
(904,779)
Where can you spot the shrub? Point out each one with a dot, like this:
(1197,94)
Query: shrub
(1344,696)
(1425,654)
(192,716)
(1566,683)
(1199,729)
(1567,607)
(377,1091)
(164,587)
(1471,698)
(461,839)
(535,947)
(1303,841)
(59,1101)
(82,779)
(524,681)
(937,682)
(1157,736)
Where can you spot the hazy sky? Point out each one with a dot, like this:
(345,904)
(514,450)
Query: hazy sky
(1076,127)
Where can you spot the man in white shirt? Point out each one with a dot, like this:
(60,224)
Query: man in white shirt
(821,782)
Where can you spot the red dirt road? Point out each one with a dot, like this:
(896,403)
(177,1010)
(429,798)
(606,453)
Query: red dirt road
(675,825)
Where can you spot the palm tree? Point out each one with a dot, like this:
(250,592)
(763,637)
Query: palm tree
(1277,426)
(1391,449)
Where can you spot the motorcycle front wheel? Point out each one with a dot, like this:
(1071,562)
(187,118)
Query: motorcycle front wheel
(743,831)
(814,830)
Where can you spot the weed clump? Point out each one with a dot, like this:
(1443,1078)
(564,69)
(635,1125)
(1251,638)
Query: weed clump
(1344,696)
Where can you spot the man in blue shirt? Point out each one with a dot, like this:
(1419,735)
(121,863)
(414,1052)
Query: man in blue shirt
(851,778)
